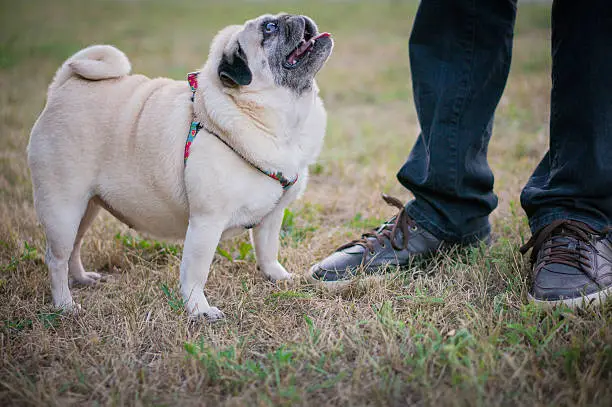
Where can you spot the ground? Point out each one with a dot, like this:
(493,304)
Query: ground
(457,330)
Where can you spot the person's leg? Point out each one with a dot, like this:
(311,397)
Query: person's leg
(574,180)
(460,53)
(568,199)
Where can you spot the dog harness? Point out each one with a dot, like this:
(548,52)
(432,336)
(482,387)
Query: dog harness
(196,126)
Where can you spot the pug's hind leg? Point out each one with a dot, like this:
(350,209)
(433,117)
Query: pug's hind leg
(61,222)
(203,235)
(75,266)
(265,238)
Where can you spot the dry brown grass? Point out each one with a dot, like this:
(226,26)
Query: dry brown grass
(454,331)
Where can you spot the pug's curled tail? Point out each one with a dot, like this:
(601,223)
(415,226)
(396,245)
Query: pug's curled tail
(95,63)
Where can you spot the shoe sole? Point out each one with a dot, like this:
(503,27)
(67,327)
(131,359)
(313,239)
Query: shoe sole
(595,299)
(341,285)
(337,285)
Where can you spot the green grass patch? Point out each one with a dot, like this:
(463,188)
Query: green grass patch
(47,319)
(291,233)
(359,222)
(148,249)
(239,251)
(275,297)
(173,298)
(28,254)
(278,374)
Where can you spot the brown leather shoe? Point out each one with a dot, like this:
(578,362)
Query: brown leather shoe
(572,264)
(393,245)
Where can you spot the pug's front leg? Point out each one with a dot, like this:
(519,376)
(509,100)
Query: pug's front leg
(203,235)
(265,238)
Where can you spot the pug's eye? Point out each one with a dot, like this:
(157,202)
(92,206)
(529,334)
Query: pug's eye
(270,28)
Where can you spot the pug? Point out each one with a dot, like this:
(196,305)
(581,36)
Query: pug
(200,160)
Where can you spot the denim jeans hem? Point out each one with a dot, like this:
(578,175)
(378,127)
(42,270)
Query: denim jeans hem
(436,227)
(545,217)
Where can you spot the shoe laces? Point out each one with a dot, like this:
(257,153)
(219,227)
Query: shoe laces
(566,242)
(387,231)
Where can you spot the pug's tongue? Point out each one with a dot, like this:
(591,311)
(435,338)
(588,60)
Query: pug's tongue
(306,45)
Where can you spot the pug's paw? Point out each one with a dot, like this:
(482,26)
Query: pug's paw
(211,314)
(275,272)
(87,278)
(68,306)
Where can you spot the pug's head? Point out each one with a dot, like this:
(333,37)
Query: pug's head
(279,51)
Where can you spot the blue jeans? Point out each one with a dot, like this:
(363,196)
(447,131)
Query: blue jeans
(460,52)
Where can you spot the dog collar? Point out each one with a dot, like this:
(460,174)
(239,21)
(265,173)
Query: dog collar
(196,126)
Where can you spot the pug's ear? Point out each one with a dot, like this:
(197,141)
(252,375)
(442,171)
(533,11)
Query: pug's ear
(234,69)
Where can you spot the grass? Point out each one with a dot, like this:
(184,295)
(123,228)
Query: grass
(454,331)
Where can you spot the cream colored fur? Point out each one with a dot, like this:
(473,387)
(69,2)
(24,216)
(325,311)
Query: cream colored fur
(113,140)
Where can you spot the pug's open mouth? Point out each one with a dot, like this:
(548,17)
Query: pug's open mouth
(303,49)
